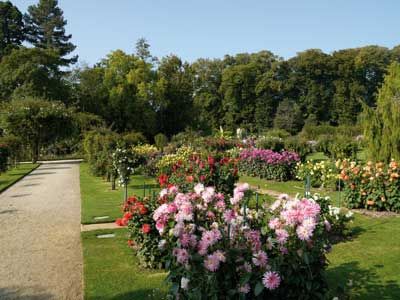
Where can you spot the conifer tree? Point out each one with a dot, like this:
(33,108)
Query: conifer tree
(46,29)
(382,124)
(11,27)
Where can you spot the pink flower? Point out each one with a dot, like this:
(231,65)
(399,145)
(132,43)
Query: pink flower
(185,239)
(220,204)
(304,232)
(283,197)
(281,236)
(199,188)
(244,289)
(237,197)
(260,259)
(220,255)
(212,263)
(275,223)
(241,187)
(208,194)
(182,256)
(220,196)
(229,215)
(172,208)
(327,225)
(271,280)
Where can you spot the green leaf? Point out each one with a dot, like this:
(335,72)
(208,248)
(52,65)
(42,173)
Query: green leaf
(258,289)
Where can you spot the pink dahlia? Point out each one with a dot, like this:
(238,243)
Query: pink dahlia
(212,263)
(271,280)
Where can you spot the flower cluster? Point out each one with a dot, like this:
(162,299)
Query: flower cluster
(216,244)
(123,163)
(165,164)
(218,171)
(268,164)
(143,236)
(322,173)
(372,185)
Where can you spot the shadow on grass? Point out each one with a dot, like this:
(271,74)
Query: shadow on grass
(141,294)
(146,186)
(21,294)
(364,284)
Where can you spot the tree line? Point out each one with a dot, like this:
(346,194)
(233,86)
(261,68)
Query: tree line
(139,92)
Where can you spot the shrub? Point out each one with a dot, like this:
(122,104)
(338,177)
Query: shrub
(268,164)
(14,146)
(373,186)
(338,147)
(99,145)
(131,139)
(218,171)
(217,248)
(161,141)
(322,174)
(148,157)
(219,144)
(270,142)
(143,235)
(298,145)
(164,165)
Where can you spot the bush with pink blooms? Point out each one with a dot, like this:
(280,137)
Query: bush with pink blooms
(268,164)
(218,248)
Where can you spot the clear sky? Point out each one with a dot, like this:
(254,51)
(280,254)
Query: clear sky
(212,28)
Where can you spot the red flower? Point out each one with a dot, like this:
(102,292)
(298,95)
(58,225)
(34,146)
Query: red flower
(189,178)
(121,222)
(128,215)
(202,178)
(211,161)
(146,228)
(131,200)
(131,243)
(163,180)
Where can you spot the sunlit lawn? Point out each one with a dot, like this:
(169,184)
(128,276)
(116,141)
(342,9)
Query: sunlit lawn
(98,199)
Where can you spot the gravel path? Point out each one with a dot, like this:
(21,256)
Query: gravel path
(40,246)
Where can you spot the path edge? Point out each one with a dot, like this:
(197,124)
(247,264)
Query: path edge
(19,179)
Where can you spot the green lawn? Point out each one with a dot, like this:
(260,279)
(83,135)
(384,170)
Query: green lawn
(111,270)
(13,175)
(371,260)
(99,200)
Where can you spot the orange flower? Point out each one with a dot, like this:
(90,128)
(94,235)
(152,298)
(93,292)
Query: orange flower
(370,202)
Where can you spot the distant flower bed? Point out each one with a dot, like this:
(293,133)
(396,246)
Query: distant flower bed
(374,186)
(268,164)
(322,174)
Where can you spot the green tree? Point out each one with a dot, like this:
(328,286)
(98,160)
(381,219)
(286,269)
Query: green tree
(381,125)
(45,25)
(11,27)
(38,122)
(288,117)
(31,72)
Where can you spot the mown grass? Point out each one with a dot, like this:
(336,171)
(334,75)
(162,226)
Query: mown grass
(98,199)
(111,270)
(11,176)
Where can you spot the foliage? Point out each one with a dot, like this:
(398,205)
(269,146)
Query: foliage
(288,117)
(38,122)
(270,142)
(373,186)
(165,164)
(14,145)
(217,248)
(31,72)
(268,164)
(218,171)
(338,146)
(143,235)
(147,156)
(11,27)
(99,145)
(218,144)
(161,141)
(322,174)
(299,145)
(4,154)
(45,27)
(381,125)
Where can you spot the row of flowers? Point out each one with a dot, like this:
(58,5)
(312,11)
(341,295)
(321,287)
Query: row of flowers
(268,164)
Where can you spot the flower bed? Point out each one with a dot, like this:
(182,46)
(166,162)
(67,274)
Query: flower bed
(374,186)
(322,174)
(268,164)
(219,249)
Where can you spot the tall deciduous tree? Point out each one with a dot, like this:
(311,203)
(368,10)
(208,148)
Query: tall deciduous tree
(381,125)
(11,27)
(46,29)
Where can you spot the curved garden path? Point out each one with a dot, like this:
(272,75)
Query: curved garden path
(40,245)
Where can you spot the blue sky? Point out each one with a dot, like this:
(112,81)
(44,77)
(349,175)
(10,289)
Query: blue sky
(212,28)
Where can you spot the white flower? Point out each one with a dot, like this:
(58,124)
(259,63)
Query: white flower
(199,188)
(185,283)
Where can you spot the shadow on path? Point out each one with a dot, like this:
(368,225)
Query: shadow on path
(20,294)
